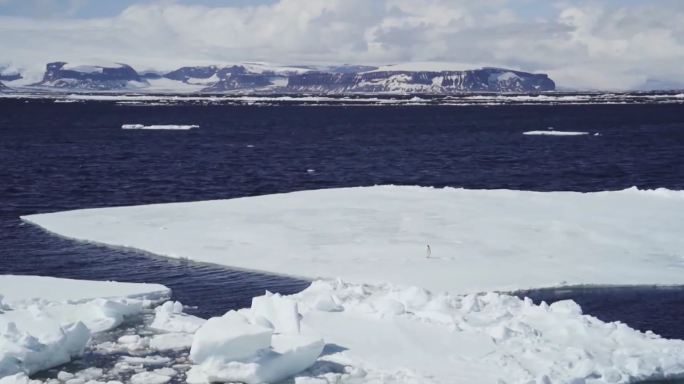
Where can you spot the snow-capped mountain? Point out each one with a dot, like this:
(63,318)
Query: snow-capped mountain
(440,82)
(259,77)
(241,76)
(3,87)
(91,76)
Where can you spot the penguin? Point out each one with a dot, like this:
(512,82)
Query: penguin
(428,252)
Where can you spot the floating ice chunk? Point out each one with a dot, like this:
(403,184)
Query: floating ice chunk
(65,376)
(554,133)
(31,341)
(77,337)
(21,291)
(169,318)
(129,339)
(149,378)
(170,307)
(280,311)
(231,349)
(90,374)
(98,315)
(170,341)
(289,355)
(145,361)
(19,378)
(160,127)
(166,371)
(229,339)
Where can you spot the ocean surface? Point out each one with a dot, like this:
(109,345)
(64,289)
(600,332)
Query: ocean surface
(63,156)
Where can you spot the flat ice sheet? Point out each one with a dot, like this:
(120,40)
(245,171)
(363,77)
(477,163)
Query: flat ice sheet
(160,127)
(554,133)
(21,288)
(480,241)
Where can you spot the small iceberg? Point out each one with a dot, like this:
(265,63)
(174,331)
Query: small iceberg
(554,133)
(160,127)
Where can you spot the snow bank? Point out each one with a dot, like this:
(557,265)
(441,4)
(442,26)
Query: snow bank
(379,235)
(237,348)
(46,321)
(554,133)
(29,289)
(160,127)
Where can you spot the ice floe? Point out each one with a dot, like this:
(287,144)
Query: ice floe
(481,241)
(46,321)
(484,338)
(554,133)
(30,289)
(160,127)
(402,317)
(263,345)
(169,318)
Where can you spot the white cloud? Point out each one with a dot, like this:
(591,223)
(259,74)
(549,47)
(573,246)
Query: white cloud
(586,45)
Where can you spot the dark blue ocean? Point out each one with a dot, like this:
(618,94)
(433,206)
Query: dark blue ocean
(56,157)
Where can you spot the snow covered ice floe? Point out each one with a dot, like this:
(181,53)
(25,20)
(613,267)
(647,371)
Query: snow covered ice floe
(444,338)
(418,319)
(23,290)
(160,127)
(481,241)
(45,322)
(169,317)
(554,133)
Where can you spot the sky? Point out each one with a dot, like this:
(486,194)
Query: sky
(599,44)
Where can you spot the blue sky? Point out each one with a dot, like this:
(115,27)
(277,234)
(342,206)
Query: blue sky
(108,8)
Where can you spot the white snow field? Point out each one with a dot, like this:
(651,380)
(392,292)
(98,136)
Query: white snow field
(481,241)
(554,133)
(160,127)
(45,322)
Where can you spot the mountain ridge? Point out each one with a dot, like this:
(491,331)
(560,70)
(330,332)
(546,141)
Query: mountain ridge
(267,78)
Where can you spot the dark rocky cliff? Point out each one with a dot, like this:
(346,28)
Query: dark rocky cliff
(481,80)
(97,78)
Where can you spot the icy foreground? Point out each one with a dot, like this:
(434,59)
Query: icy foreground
(45,322)
(260,345)
(481,241)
